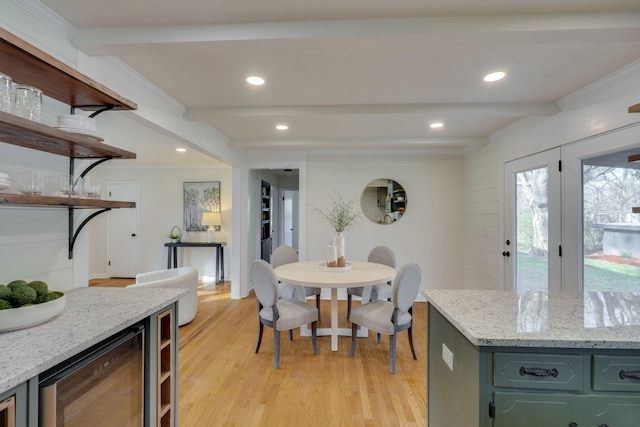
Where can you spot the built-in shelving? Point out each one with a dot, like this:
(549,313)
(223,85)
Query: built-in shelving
(165,404)
(26,64)
(37,136)
(62,202)
(265,219)
(8,412)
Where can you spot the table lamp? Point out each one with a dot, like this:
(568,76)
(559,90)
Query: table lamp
(211,220)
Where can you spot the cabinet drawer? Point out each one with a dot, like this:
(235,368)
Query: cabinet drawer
(616,373)
(539,371)
(539,409)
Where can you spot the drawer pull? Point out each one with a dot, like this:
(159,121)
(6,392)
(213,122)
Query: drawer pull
(629,374)
(539,372)
(573,424)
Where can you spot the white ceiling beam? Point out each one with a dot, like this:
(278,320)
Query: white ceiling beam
(350,143)
(504,109)
(118,41)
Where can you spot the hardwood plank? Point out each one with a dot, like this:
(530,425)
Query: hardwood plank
(222,381)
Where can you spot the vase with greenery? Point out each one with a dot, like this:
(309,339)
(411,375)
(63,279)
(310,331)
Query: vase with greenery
(341,215)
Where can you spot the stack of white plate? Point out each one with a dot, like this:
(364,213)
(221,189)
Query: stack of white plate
(77,123)
(4,181)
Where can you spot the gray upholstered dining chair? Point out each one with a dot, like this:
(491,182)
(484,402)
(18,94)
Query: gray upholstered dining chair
(391,317)
(281,314)
(285,255)
(379,255)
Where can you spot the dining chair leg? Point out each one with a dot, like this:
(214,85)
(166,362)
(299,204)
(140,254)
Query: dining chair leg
(348,306)
(318,305)
(354,337)
(379,337)
(413,350)
(276,348)
(290,334)
(314,335)
(392,352)
(260,329)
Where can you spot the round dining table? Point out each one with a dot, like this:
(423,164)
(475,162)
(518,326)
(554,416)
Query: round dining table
(316,275)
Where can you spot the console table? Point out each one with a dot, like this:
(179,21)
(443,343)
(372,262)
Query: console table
(172,249)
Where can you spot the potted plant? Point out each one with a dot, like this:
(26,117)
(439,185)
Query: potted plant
(175,234)
(341,215)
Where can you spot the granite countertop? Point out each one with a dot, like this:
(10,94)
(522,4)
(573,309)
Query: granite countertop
(90,315)
(606,320)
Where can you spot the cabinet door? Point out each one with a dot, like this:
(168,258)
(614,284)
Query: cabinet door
(537,410)
(615,411)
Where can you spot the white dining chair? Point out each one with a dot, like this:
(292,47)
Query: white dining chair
(379,255)
(281,314)
(285,254)
(390,317)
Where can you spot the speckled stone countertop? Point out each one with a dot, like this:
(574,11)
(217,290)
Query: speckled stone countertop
(608,320)
(90,315)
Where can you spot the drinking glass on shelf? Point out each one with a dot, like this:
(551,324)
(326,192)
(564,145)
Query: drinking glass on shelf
(5,93)
(68,185)
(28,102)
(31,183)
(91,187)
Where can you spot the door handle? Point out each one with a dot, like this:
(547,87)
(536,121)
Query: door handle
(506,253)
(133,234)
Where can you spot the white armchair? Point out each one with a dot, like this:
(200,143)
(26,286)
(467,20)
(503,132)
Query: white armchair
(184,278)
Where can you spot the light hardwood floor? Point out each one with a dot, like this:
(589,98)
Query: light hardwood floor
(223,383)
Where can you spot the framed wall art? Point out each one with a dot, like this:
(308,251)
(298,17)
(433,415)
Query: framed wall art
(199,197)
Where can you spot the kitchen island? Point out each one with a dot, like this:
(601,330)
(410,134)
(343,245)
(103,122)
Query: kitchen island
(91,315)
(533,359)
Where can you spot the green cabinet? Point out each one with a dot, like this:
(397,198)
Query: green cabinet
(527,386)
(537,409)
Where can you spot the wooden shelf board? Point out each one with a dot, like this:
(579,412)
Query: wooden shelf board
(635,210)
(62,202)
(27,133)
(26,64)
(634,108)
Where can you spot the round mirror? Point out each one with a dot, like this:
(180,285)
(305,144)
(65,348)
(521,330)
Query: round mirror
(383,201)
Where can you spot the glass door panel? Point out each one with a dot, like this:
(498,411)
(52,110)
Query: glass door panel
(532,223)
(611,231)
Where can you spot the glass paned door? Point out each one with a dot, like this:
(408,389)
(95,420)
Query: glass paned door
(611,229)
(532,223)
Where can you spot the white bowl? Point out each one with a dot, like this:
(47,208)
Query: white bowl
(31,315)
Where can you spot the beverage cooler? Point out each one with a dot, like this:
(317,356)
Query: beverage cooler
(102,386)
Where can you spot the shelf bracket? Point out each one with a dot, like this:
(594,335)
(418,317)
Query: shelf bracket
(74,235)
(101,109)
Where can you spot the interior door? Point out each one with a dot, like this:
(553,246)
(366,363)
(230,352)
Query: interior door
(122,232)
(532,245)
(290,218)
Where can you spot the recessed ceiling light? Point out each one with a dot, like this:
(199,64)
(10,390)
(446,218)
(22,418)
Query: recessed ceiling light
(282,127)
(255,80)
(494,77)
(181,150)
(436,125)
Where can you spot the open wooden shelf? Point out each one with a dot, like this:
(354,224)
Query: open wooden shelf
(26,64)
(37,136)
(62,202)
(634,108)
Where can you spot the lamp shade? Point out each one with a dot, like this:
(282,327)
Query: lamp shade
(211,218)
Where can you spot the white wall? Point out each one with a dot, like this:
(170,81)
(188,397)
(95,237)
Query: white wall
(595,111)
(429,232)
(160,208)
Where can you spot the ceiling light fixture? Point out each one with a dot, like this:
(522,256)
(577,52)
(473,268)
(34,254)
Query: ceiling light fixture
(282,127)
(494,77)
(181,150)
(255,80)
(436,125)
